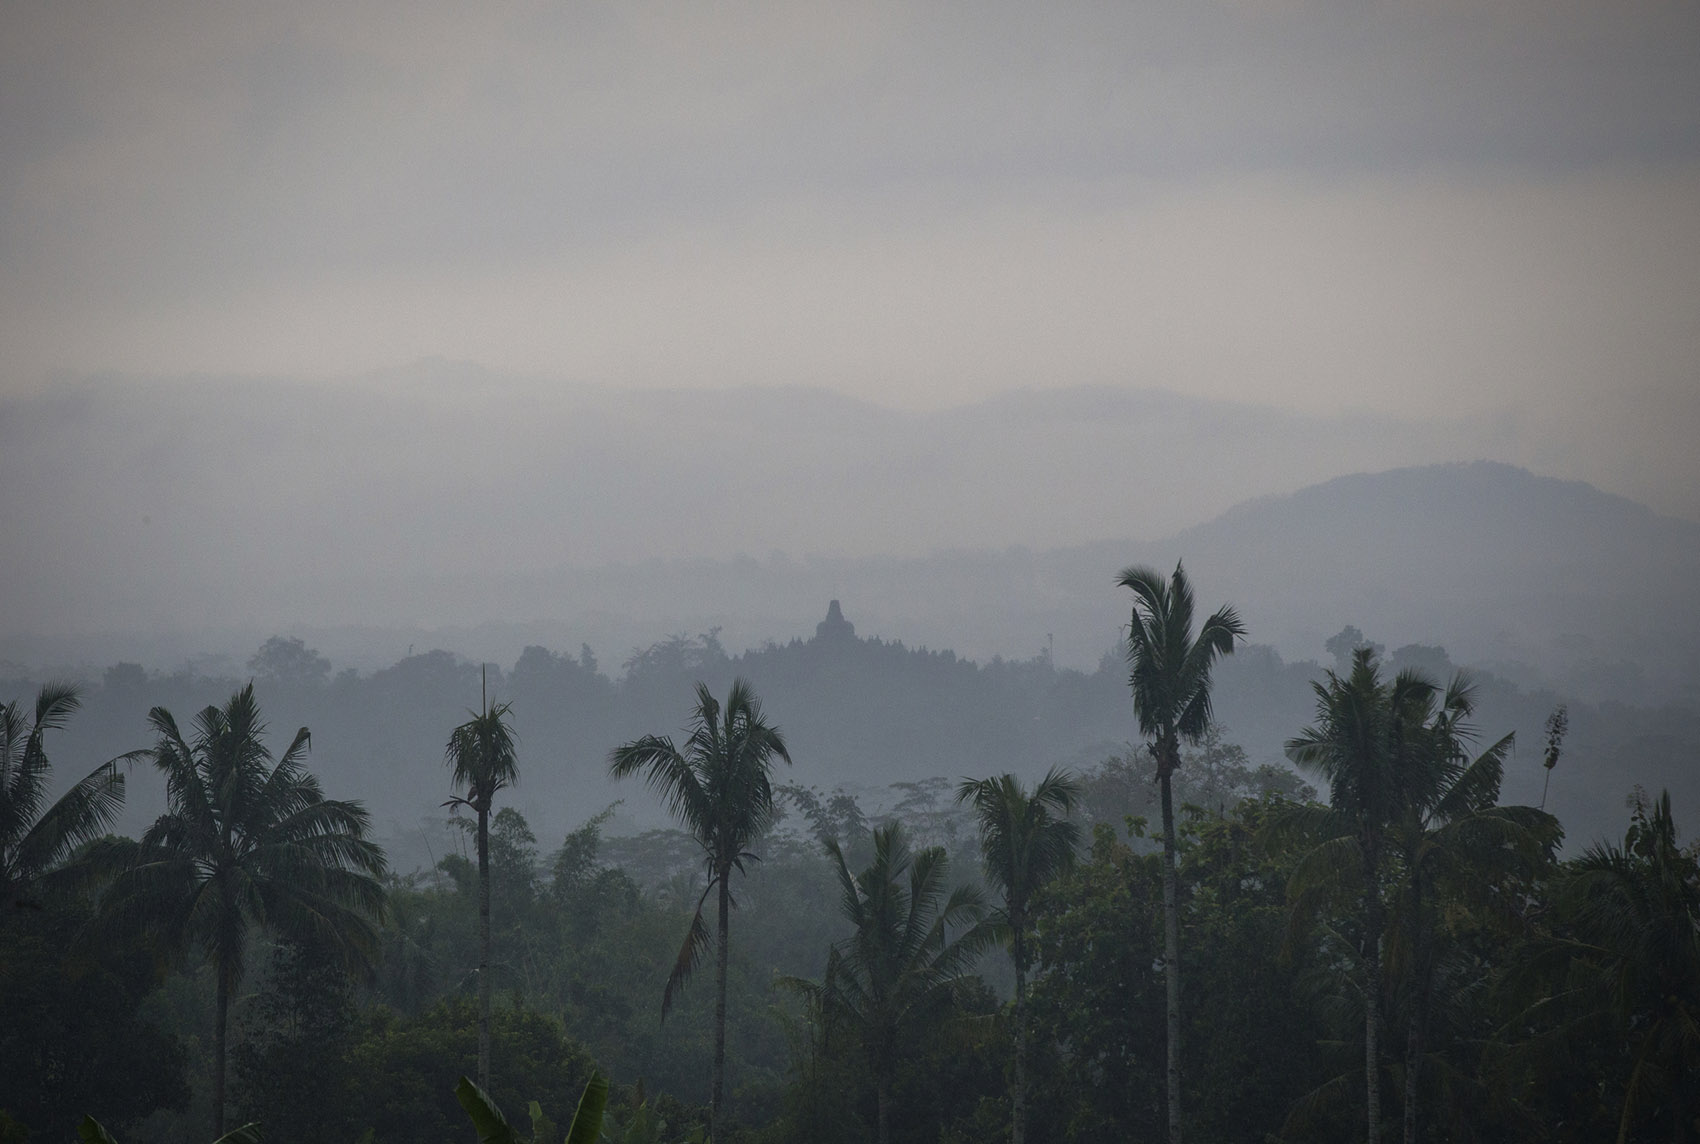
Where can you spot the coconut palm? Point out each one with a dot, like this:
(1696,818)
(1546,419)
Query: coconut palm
(911,945)
(1169,672)
(1371,742)
(720,789)
(245,844)
(1627,973)
(1026,839)
(482,757)
(37,841)
(1454,842)
(1357,745)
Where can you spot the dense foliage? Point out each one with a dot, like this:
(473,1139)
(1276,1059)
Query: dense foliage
(1465,981)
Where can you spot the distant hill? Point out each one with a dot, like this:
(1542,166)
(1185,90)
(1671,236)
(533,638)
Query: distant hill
(888,721)
(178,522)
(1560,592)
(1552,583)
(443,494)
(1500,565)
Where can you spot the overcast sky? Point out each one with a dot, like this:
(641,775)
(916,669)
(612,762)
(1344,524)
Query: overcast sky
(1487,209)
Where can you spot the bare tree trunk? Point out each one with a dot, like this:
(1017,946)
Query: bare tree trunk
(1172,956)
(884,1113)
(1018,1099)
(222,1005)
(1424,947)
(1372,1025)
(484,948)
(720,1006)
(1413,1058)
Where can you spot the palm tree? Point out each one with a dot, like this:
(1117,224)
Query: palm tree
(37,841)
(481,755)
(1454,842)
(1372,744)
(897,971)
(1628,972)
(720,790)
(1025,841)
(1170,676)
(245,844)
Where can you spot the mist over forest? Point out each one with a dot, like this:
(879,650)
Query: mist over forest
(426,567)
(443,505)
(861,713)
(977,658)
(849,573)
(591,878)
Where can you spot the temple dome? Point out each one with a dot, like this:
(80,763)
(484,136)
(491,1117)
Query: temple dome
(835,626)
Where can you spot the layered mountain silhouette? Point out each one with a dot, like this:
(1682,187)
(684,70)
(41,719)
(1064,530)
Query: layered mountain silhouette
(445,494)
(159,519)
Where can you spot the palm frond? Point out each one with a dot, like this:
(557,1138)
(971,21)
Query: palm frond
(1169,667)
(38,841)
(55,703)
(91,1131)
(586,1127)
(1477,787)
(245,843)
(691,952)
(669,774)
(81,814)
(718,787)
(481,754)
(486,1115)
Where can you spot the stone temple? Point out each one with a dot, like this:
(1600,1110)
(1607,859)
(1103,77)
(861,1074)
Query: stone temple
(835,628)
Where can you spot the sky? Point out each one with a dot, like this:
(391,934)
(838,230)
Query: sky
(1409,206)
(1481,213)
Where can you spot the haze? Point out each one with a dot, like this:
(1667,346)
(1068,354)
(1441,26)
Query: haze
(302,302)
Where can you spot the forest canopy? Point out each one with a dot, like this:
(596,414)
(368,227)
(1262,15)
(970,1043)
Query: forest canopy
(1505,982)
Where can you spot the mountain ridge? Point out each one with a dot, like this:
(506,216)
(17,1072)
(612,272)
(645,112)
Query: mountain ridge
(1552,581)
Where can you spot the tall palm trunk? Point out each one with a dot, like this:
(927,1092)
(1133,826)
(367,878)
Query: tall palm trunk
(227,964)
(1424,947)
(1372,1046)
(1018,1127)
(1413,1061)
(222,1019)
(1171,949)
(720,1004)
(884,1106)
(484,946)
(1372,1003)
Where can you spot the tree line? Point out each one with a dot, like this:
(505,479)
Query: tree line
(1406,958)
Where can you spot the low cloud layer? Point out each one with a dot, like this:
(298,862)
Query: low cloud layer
(1357,236)
(443,494)
(1414,209)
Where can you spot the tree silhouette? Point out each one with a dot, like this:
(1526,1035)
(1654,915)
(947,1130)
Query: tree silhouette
(1455,845)
(246,844)
(482,758)
(910,947)
(1371,744)
(1169,673)
(1026,840)
(720,789)
(37,840)
(1626,967)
